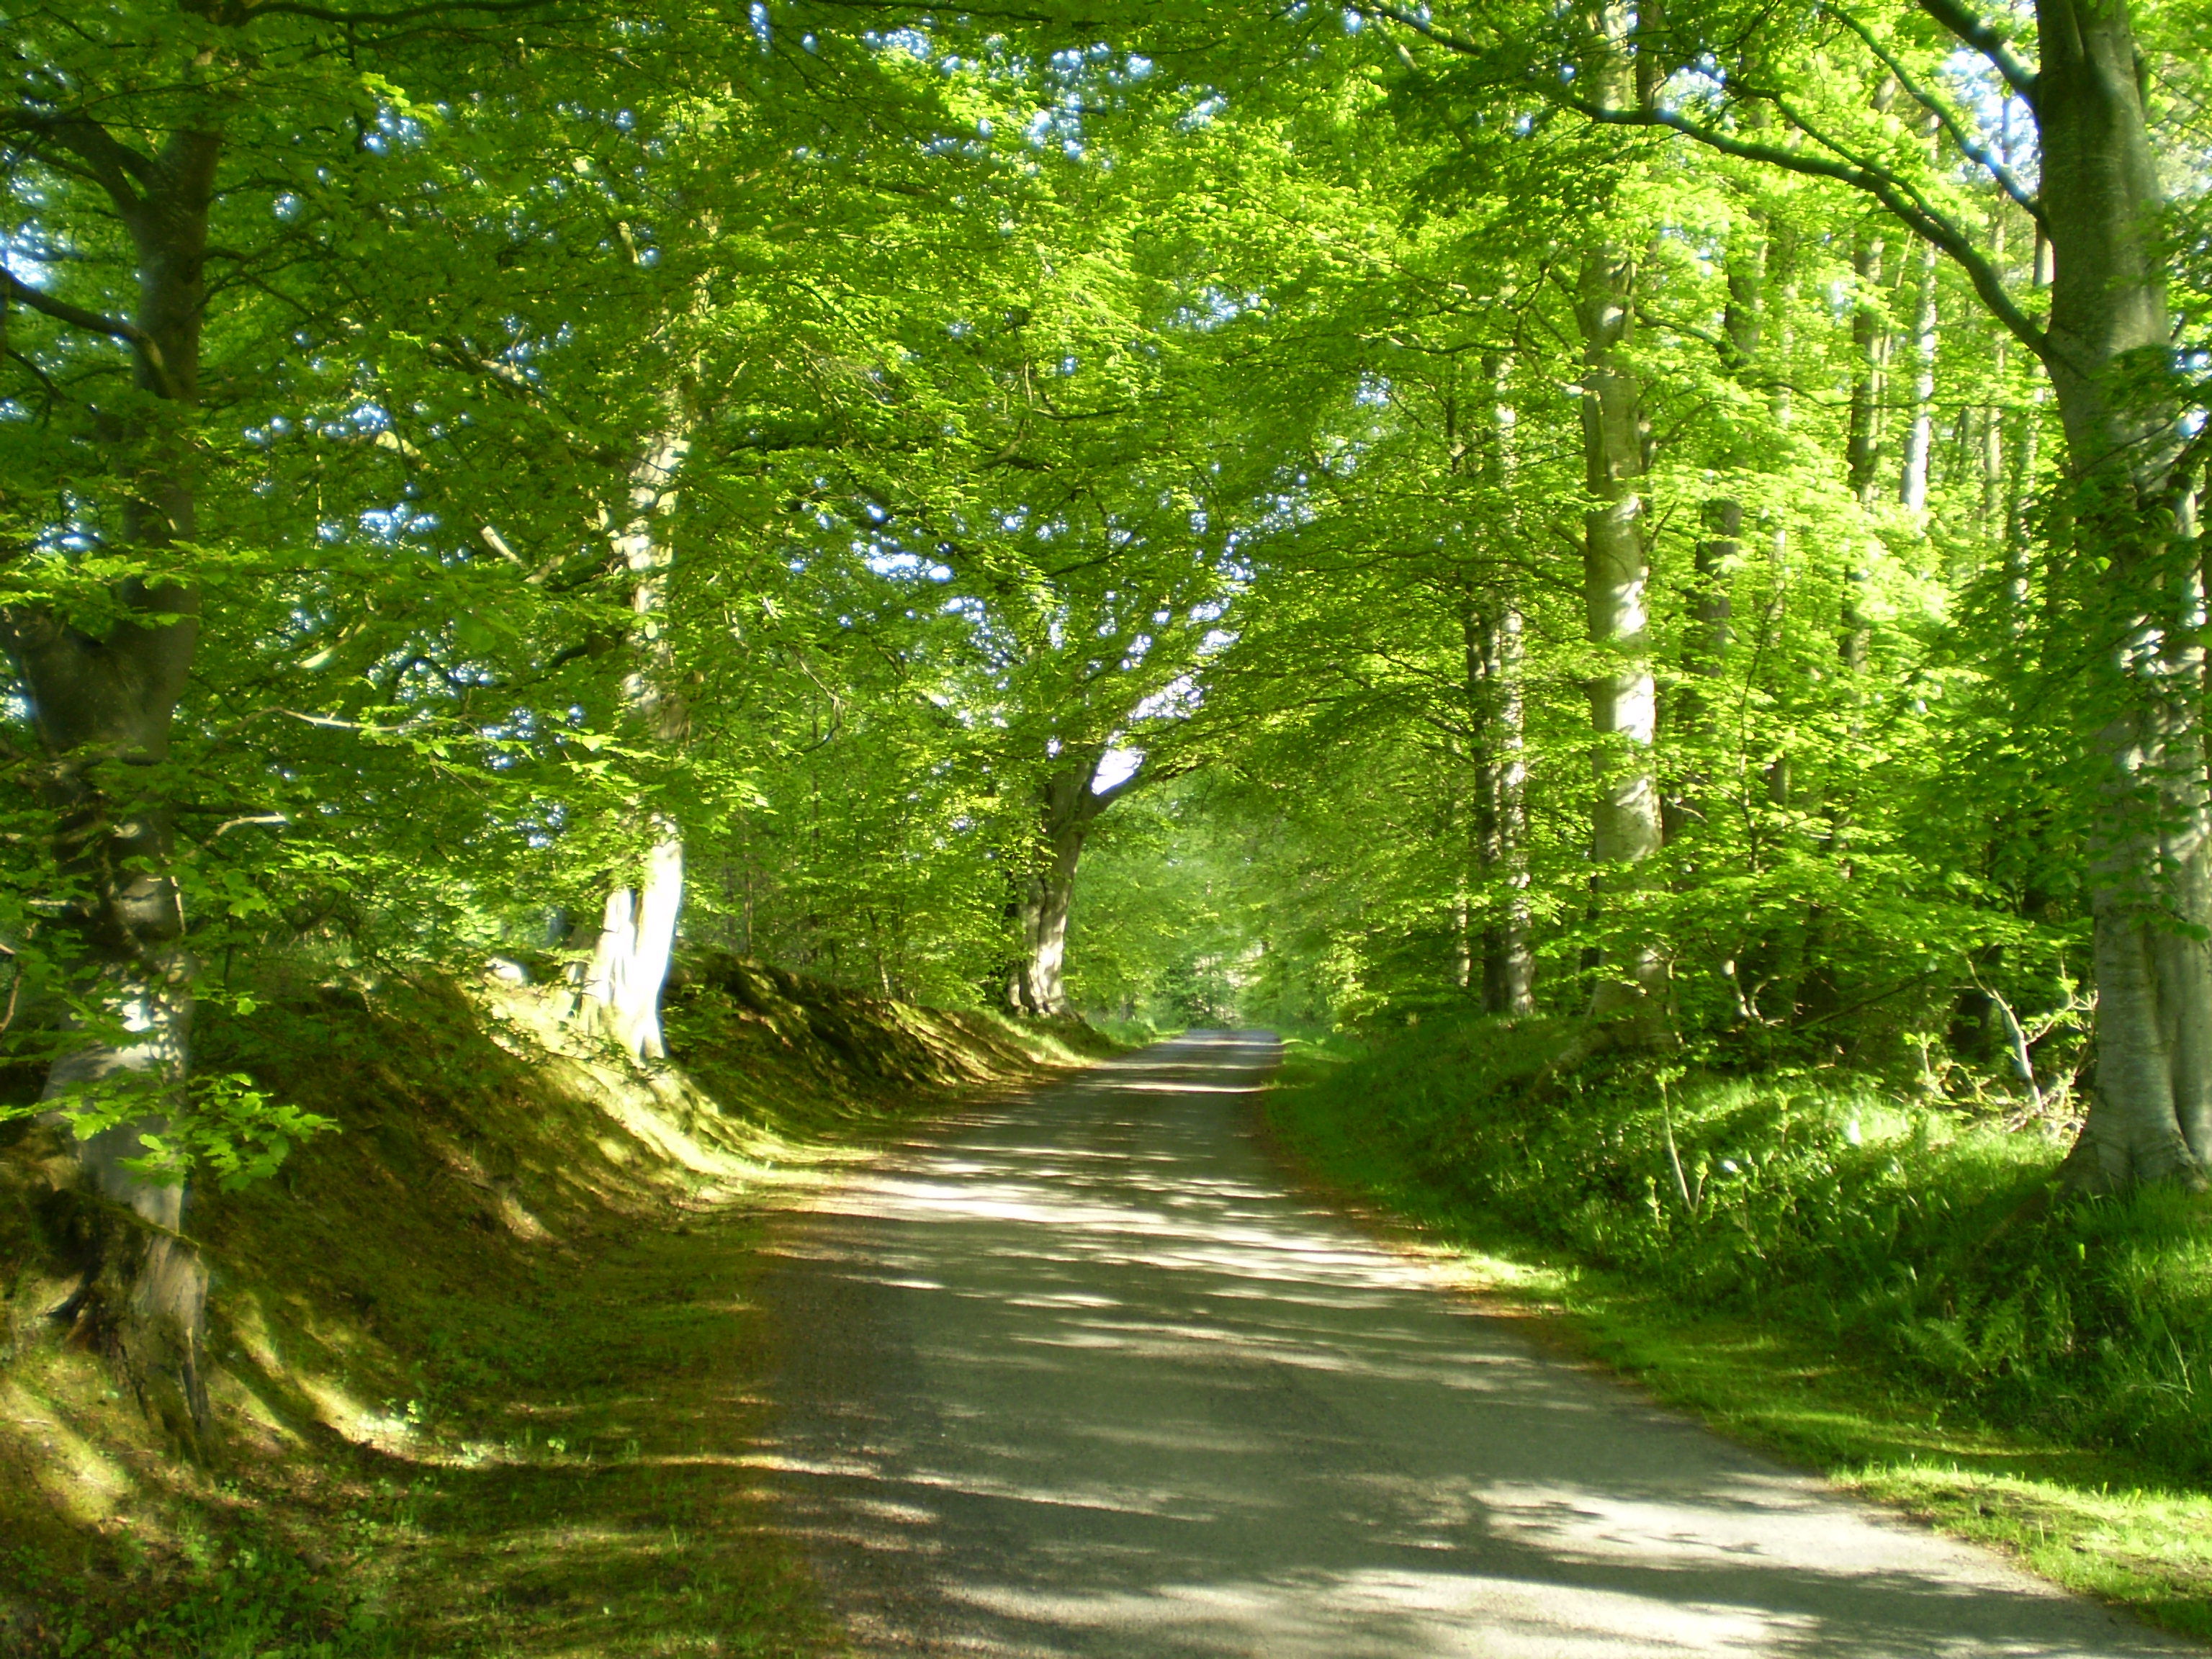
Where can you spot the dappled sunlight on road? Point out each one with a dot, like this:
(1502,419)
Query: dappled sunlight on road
(1082,1377)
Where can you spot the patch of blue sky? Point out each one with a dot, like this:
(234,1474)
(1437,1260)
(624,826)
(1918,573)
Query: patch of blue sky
(1202,114)
(1116,766)
(1178,699)
(1212,307)
(903,564)
(394,130)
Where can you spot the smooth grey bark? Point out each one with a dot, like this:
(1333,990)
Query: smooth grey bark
(1044,893)
(2150,1113)
(1919,433)
(1625,822)
(620,993)
(103,705)
(1491,636)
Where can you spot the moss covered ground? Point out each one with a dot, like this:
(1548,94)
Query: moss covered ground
(486,1366)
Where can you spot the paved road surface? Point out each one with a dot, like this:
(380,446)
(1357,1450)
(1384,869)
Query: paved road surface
(1083,1376)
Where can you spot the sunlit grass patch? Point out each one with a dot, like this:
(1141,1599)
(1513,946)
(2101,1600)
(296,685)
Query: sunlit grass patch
(2147,1548)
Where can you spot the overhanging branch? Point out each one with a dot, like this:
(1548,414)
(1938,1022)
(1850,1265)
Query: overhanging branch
(1896,194)
(1969,147)
(1892,192)
(77,316)
(397,14)
(1981,36)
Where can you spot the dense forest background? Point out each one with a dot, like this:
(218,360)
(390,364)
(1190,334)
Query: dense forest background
(1683,520)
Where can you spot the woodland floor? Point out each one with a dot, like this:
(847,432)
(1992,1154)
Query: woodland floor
(1078,1370)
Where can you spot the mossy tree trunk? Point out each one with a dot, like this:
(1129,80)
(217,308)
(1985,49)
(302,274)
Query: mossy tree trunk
(103,699)
(2136,557)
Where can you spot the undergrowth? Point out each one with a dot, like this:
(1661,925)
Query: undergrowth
(258,1600)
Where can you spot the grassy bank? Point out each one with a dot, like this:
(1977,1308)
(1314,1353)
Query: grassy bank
(1878,1288)
(485,1370)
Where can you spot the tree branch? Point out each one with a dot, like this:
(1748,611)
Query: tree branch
(1972,149)
(1097,800)
(114,164)
(1978,33)
(1895,193)
(77,316)
(1892,192)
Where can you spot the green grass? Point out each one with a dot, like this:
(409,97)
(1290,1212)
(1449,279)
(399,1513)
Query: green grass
(1875,1289)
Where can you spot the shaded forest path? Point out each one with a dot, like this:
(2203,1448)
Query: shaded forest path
(1082,1376)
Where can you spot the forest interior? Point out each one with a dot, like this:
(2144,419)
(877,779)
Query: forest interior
(610,608)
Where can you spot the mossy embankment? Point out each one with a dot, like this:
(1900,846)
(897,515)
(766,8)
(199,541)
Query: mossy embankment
(483,1365)
(1867,1282)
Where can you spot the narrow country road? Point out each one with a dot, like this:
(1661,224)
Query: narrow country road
(1083,1376)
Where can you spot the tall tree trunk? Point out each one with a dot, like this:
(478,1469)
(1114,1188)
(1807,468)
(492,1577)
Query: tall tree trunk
(1631,983)
(1044,893)
(103,705)
(2150,1113)
(1037,985)
(1491,636)
(1992,454)
(1912,483)
(1460,835)
(620,996)
(1716,557)
(1863,438)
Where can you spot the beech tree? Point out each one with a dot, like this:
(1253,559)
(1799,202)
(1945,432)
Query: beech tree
(293,289)
(134,131)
